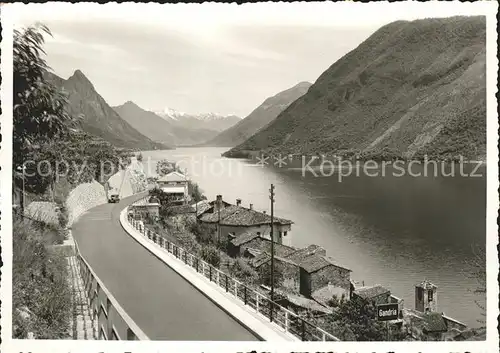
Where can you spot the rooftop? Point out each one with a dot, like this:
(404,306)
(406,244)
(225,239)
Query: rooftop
(326,293)
(232,215)
(371,292)
(316,262)
(426,285)
(173,176)
(244,238)
(301,254)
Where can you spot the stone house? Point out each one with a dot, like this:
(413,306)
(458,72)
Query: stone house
(318,271)
(373,294)
(226,218)
(290,270)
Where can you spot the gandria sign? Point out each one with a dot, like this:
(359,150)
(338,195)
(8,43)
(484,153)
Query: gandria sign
(386,312)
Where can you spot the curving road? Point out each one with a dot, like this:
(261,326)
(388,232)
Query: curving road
(161,302)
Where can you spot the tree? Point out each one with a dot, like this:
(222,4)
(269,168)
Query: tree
(195,192)
(355,319)
(242,270)
(211,254)
(265,274)
(39,107)
(478,264)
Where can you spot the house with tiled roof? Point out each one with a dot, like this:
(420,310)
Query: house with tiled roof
(374,294)
(228,218)
(176,185)
(318,271)
(251,240)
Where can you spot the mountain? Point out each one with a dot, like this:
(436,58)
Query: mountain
(411,88)
(99,119)
(260,117)
(162,129)
(209,121)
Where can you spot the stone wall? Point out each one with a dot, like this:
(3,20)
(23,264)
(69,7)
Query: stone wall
(84,197)
(333,275)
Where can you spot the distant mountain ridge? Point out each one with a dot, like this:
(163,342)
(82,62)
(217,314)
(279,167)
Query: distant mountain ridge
(99,119)
(411,89)
(210,121)
(163,129)
(260,117)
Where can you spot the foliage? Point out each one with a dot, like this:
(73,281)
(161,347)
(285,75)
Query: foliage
(355,320)
(164,167)
(139,157)
(211,254)
(242,270)
(188,241)
(41,294)
(265,274)
(38,106)
(478,264)
(203,232)
(195,192)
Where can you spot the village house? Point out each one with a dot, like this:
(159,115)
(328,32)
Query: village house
(226,218)
(146,207)
(372,294)
(176,185)
(318,271)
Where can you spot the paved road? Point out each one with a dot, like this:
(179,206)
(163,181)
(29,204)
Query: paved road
(162,303)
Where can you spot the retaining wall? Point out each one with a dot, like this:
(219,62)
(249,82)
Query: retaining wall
(84,197)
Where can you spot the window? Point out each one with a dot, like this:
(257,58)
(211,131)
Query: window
(430,295)
(284,233)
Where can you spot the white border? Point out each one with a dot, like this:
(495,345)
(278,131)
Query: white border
(491,345)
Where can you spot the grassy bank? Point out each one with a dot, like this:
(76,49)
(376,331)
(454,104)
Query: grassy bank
(41,294)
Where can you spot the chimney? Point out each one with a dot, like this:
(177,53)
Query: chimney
(238,202)
(219,198)
(251,206)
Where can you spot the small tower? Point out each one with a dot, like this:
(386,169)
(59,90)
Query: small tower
(426,297)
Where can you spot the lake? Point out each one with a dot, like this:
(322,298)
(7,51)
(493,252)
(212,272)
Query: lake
(393,230)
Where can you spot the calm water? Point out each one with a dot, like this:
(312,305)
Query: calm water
(393,231)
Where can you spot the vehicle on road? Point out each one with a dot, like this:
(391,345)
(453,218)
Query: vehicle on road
(114,198)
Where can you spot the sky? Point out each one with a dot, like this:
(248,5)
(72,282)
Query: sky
(199,58)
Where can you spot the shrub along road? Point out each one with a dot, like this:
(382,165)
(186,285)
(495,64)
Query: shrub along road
(161,302)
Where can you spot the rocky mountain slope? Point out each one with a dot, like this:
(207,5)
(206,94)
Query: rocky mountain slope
(163,129)
(208,121)
(99,119)
(260,117)
(411,88)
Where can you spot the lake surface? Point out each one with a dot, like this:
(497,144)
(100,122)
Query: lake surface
(390,230)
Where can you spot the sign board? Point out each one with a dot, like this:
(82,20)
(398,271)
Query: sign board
(386,312)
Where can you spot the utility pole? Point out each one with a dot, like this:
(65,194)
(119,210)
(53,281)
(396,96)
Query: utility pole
(218,222)
(272,251)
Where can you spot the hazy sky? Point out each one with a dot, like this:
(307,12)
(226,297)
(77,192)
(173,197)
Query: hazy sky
(221,58)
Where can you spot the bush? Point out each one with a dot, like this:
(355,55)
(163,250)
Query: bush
(210,254)
(41,294)
(188,242)
(242,270)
